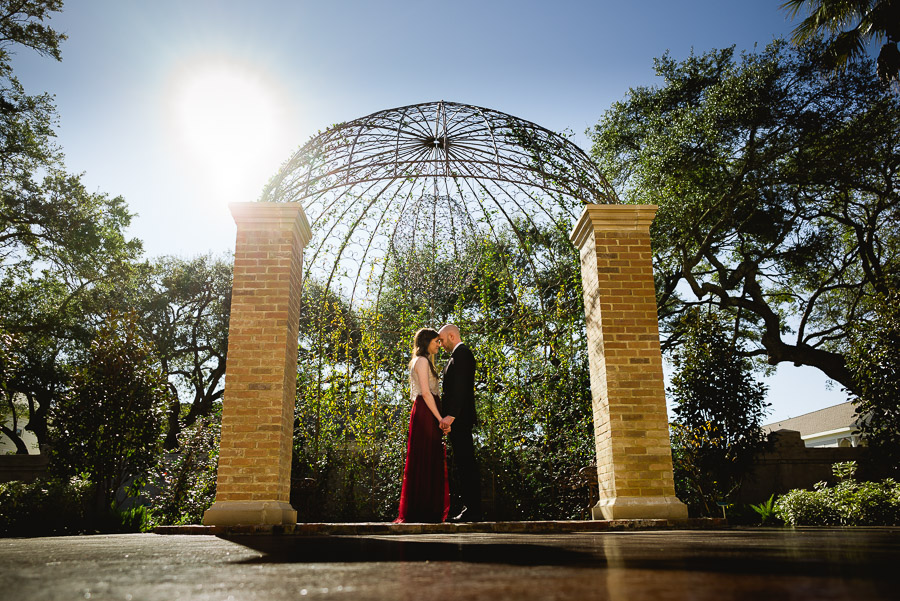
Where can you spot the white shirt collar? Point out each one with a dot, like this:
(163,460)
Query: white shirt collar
(454,348)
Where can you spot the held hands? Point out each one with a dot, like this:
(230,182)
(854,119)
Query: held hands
(445,423)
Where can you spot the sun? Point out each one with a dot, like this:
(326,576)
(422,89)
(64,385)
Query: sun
(228,123)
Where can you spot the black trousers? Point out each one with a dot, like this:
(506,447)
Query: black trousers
(466,471)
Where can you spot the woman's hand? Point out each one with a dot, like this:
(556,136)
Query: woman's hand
(445,424)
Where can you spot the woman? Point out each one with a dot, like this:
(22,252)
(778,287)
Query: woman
(425,496)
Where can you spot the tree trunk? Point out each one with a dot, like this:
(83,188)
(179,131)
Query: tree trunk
(21,449)
(173,423)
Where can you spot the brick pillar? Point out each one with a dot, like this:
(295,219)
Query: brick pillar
(631,432)
(254,476)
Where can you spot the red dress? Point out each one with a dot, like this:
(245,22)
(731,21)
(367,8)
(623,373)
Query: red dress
(425,495)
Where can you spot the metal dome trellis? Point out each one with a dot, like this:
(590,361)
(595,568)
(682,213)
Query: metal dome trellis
(396,200)
(418,186)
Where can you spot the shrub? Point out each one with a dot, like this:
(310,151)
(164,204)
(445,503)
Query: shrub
(186,480)
(108,425)
(719,408)
(766,511)
(805,508)
(44,507)
(848,503)
(134,519)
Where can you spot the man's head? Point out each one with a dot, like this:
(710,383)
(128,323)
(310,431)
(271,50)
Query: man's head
(449,337)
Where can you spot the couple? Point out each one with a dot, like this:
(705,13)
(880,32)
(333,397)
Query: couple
(425,496)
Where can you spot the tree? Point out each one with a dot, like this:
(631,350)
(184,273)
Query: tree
(9,409)
(719,408)
(874,361)
(108,425)
(777,190)
(55,282)
(184,306)
(61,247)
(852,24)
(26,122)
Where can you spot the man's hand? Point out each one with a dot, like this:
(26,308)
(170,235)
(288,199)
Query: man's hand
(445,423)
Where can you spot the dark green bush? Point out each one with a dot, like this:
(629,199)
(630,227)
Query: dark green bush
(133,519)
(44,507)
(183,485)
(57,506)
(848,503)
(108,425)
(801,507)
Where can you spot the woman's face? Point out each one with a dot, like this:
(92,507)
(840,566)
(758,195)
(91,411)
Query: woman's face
(433,346)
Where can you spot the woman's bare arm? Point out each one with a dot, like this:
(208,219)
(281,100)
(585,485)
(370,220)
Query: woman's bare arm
(422,374)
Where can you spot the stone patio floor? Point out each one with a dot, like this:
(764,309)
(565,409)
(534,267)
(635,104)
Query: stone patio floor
(620,564)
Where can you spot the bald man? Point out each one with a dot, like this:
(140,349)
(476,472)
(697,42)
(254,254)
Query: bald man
(458,404)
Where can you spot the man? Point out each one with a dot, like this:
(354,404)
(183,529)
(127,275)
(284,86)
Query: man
(458,402)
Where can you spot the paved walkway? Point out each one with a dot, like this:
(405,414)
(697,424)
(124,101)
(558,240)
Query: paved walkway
(754,564)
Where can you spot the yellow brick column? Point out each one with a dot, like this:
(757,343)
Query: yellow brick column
(254,475)
(631,433)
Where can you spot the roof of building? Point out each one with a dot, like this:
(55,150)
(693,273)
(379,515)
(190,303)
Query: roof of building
(823,420)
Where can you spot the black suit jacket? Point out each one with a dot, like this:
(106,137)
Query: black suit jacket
(458,388)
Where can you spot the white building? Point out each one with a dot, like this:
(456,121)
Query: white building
(829,427)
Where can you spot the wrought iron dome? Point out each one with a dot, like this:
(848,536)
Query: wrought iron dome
(414,191)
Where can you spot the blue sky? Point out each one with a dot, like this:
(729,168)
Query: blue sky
(184,106)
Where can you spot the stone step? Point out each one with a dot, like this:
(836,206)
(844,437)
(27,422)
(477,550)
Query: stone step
(386,528)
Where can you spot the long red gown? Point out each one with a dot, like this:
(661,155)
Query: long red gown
(425,495)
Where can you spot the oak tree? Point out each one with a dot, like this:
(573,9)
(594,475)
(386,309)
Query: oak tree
(778,194)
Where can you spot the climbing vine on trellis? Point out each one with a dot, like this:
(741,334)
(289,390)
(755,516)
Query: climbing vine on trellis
(425,215)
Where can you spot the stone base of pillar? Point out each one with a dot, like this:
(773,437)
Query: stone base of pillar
(640,508)
(249,513)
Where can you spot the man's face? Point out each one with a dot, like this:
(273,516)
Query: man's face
(445,341)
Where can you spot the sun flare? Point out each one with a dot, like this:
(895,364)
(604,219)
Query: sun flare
(228,119)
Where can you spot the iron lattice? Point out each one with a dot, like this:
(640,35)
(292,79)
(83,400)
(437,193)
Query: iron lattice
(413,192)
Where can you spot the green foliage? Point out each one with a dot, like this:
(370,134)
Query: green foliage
(44,507)
(56,506)
(800,507)
(848,503)
(183,307)
(26,122)
(777,193)
(766,510)
(22,23)
(132,519)
(108,425)
(183,485)
(10,410)
(532,390)
(844,470)
(719,408)
(852,26)
(62,248)
(874,361)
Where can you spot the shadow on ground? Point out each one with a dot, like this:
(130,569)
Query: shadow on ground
(286,549)
(778,552)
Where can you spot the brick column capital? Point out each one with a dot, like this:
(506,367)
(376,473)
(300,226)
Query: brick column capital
(274,215)
(611,218)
